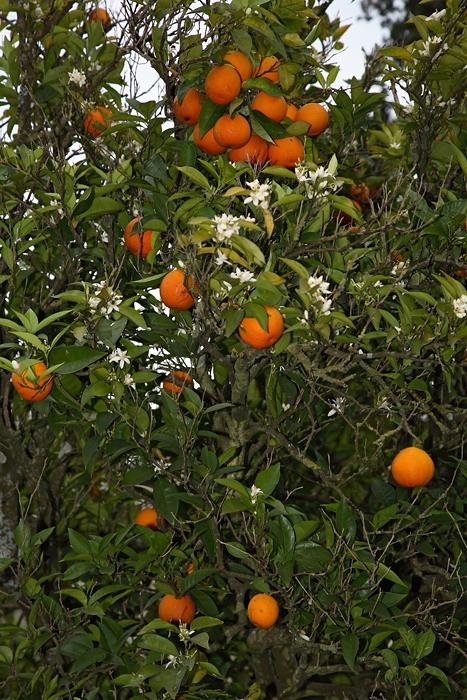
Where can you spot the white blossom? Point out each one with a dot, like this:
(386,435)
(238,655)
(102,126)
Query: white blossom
(254,493)
(184,633)
(318,183)
(221,259)
(56,203)
(243,275)
(227,226)
(378,283)
(460,306)
(305,319)
(259,194)
(248,11)
(337,404)
(129,381)
(77,77)
(95,66)
(39,12)
(15,364)
(120,357)
(318,288)
(394,143)
(398,269)
(437,15)
(172,660)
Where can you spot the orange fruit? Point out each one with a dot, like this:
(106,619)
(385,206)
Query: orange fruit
(176,381)
(255,151)
(187,111)
(316,116)
(191,569)
(291,112)
(208,143)
(97,121)
(30,390)
(461,273)
(252,334)
(138,243)
(174,293)
(344,219)
(360,192)
(241,63)
(286,152)
(263,610)
(223,83)
(100,15)
(149,518)
(412,467)
(172,609)
(268,68)
(232,133)
(273,107)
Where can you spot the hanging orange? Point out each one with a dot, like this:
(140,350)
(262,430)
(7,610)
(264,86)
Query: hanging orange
(412,467)
(176,381)
(252,334)
(272,107)
(268,68)
(188,110)
(263,610)
(172,609)
(286,152)
(255,152)
(232,133)
(100,15)
(240,62)
(344,219)
(149,518)
(223,83)
(138,243)
(208,143)
(174,293)
(291,112)
(97,120)
(315,115)
(29,390)
(360,192)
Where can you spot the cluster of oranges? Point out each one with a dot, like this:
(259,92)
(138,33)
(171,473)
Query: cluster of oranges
(233,131)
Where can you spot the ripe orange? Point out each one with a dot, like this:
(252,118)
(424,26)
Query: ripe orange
(412,467)
(344,219)
(268,68)
(100,15)
(223,83)
(263,610)
(97,121)
(360,192)
(138,243)
(232,133)
(273,107)
(176,381)
(241,63)
(286,152)
(316,116)
(174,293)
(190,569)
(29,390)
(255,151)
(149,518)
(252,334)
(187,111)
(208,143)
(172,609)
(291,112)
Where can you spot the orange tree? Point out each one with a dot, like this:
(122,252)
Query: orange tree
(310,326)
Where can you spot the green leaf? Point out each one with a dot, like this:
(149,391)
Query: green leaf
(195,175)
(100,207)
(437,673)
(263,84)
(391,659)
(195,578)
(385,493)
(297,267)
(345,521)
(235,485)
(133,315)
(203,622)
(74,358)
(424,644)
(268,479)
(350,649)
(242,39)
(154,642)
(166,499)
(210,113)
